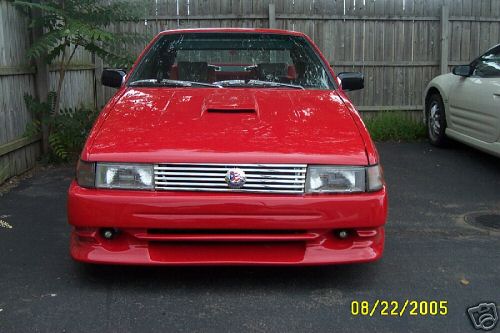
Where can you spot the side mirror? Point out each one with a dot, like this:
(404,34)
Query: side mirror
(112,77)
(463,70)
(352,80)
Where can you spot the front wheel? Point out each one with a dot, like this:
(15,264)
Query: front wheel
(436,121)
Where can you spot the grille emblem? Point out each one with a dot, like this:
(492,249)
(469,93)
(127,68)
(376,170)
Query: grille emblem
(235,178)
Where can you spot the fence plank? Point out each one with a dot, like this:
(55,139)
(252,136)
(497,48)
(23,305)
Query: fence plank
(272,16)
(444,39)
(16,144)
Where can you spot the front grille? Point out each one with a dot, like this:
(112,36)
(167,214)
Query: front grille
(260,178)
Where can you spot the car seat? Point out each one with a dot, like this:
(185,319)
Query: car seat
(272,71)
(192,71)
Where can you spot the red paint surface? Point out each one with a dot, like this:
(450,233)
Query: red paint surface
(175,125)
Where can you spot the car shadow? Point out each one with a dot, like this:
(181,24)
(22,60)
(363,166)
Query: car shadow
(474,153)
(226,278)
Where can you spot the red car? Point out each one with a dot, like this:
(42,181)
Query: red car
(229,146)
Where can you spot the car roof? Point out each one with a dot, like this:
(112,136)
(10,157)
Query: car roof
(233,30)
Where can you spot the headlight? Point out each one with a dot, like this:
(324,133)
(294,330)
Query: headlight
(343,179)
(338,179)
(124,176)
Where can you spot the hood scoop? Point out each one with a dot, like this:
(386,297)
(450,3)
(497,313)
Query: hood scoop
(231,110)
(228,103)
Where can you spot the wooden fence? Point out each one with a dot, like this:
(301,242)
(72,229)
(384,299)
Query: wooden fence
(17,78)
(400,45)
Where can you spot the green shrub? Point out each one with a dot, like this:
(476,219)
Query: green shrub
(67,129)
(395,126)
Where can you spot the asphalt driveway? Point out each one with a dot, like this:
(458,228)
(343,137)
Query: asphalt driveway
(431,254)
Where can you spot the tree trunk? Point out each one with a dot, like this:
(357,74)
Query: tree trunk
(41,82)
(62,74)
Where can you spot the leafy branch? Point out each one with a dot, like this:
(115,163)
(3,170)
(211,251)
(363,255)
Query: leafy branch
(66,26)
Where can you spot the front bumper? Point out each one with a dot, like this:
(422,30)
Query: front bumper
(182,228)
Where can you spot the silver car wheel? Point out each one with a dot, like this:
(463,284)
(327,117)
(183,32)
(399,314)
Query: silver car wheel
(434,120)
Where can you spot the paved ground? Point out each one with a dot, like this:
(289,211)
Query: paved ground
(430,255)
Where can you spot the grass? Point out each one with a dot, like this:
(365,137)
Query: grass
(395,126)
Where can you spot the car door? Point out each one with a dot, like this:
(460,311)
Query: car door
(474,101)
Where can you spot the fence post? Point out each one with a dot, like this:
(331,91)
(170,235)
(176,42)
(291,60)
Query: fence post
(98,88)
(41,80)
(272,16)
(445,32)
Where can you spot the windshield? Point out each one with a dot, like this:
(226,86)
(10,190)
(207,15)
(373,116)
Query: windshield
(232,60)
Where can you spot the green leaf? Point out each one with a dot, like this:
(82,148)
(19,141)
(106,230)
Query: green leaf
(45,44)
(57,146)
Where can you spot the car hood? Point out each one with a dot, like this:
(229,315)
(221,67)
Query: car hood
(201,125)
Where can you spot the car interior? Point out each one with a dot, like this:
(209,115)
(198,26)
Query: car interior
(198,71)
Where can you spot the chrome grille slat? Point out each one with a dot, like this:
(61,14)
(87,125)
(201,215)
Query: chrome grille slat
(225,165)
(205,189)
(225,169)
(261,178)
(218,179)
(268,176)
(247,185)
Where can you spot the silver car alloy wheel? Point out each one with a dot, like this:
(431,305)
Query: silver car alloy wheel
(434,120)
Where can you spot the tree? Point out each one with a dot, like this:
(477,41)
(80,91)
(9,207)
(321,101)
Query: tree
(68,25)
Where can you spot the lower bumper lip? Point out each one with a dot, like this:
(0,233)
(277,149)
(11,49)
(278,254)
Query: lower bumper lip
(130,247)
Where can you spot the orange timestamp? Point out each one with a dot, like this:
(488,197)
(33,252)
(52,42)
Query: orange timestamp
(399,308)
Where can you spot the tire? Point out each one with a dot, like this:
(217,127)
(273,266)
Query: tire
(436,121)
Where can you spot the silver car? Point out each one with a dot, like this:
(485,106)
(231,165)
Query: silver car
(465,105)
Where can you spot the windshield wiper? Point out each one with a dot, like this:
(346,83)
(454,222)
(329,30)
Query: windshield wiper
(256,83)
(274,84)
(170,83)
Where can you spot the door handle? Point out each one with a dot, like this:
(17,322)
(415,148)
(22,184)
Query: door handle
(497,94)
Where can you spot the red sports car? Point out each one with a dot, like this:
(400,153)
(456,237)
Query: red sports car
(229,146)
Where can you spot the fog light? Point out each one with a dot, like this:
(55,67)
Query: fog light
(108,233)
(342,234)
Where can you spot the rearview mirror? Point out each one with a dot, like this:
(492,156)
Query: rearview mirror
(351,80)
(112,77)
(463,70)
